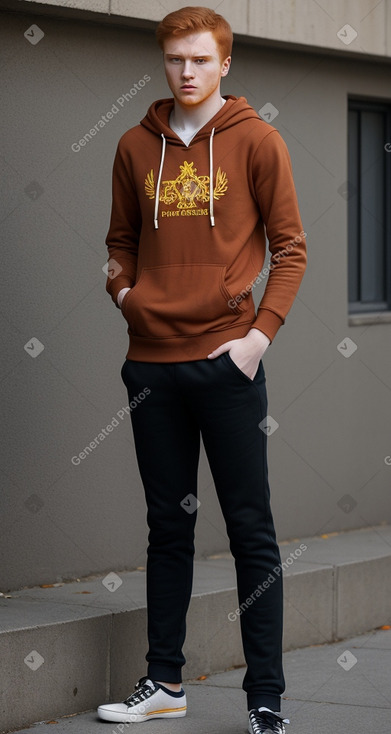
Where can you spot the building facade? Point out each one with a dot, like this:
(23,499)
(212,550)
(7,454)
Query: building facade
(76,75)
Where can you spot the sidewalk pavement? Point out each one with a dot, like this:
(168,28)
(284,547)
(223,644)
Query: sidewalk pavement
(338,688)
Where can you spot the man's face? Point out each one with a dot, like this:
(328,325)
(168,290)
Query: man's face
(193,67)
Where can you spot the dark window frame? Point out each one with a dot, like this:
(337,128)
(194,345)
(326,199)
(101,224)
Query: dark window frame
(360,105)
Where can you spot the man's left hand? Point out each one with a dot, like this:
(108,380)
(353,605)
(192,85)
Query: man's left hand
(246,352)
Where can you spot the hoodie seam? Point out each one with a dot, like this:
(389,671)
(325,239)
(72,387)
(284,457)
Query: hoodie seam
(127,164)
(274,130)
(266,308)
(196,334)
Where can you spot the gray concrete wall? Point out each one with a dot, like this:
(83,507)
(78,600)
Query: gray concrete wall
(61,521)
(351,27)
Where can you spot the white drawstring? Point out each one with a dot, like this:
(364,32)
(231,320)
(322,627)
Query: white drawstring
(158,183)
(212,219)
(211,191)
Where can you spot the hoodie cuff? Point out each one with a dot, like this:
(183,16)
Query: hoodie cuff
(268,322)
(113,288)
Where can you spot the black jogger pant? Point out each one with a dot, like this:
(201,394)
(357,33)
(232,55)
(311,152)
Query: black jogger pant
(212,397)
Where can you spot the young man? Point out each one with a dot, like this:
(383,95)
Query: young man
(195,185)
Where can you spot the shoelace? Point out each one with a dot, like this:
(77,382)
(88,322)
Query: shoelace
(141,693)
(263,722)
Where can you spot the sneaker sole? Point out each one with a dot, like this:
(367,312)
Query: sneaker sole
(251,730)
(137,718)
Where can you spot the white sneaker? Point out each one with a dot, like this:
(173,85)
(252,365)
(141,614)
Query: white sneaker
(148,701)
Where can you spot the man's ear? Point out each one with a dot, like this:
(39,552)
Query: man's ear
(225,66)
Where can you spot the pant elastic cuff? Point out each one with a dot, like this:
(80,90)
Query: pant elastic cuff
(255,700)
(165,673)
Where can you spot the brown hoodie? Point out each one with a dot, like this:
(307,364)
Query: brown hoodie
(187,232)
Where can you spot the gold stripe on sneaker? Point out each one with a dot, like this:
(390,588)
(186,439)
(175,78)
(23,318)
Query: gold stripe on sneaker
(166,711)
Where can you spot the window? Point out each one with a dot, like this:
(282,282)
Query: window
(369,206)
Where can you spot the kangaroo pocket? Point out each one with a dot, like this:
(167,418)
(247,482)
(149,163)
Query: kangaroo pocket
(180,300)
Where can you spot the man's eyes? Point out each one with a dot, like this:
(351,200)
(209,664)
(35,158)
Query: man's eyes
(176,59)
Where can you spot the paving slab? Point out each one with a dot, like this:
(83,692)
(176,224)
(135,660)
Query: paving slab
(335,588)
(322,696)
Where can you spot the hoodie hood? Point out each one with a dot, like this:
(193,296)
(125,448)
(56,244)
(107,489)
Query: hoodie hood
(235,110)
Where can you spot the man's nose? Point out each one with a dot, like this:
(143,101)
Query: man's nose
(188,71)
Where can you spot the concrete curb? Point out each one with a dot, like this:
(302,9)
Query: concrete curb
(68,648)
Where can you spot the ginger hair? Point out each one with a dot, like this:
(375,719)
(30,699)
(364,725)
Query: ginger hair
(196,19)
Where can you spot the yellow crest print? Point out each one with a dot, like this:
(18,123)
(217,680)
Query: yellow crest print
(187,188)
